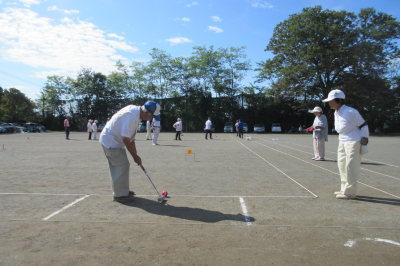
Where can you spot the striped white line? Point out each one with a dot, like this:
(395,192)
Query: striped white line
(277,168)
(244,209)
(63,209)
(351,242)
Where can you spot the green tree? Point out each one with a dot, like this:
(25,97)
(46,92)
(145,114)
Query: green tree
(16,107)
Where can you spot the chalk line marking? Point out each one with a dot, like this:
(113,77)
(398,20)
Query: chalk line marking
(244,209)
(185,196)
(336,153)
(330,158)
(277,168)
(326,169)
(351,242)
(63,209)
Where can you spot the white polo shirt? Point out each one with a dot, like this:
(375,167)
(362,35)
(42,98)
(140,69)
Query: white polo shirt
(347,122)
(178,126)
(208,124)
(124,123)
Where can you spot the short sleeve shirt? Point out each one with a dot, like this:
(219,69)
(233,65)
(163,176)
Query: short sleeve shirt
(208,124)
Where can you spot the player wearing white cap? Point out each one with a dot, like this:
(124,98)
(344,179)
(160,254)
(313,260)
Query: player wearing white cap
(353,140)
(178,127)
(118,134)
(156,130)
(320,134)
(94,126)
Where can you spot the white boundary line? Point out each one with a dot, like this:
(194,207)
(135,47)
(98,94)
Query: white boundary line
(327,157)
(277,168)
(187,196)
(244,208)
(63,209)
(326,169)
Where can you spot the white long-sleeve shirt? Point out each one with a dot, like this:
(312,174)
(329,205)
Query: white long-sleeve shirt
(89,127)
(347,122)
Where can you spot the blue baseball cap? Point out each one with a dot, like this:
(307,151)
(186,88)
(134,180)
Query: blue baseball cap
(154,109)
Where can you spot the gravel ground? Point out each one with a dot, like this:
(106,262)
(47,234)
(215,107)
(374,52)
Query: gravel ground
(233,201)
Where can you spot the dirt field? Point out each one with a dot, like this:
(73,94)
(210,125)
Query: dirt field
(232,202)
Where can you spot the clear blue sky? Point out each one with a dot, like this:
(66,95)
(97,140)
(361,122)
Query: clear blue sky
(57,37)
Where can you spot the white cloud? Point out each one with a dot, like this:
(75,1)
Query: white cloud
(60,48)
(186,19)
(216,18)
(113,35)
(194,3)
(216,29)
(74,11)
(259,3)
(178,40)
(28,3)
(9,3)
(51,8)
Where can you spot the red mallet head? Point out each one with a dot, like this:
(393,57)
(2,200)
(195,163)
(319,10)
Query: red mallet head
(164,193)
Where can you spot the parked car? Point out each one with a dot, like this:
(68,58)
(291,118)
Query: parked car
(18,128)
(7,127)
(276,127)
(245,128)
(100,127)
(228,127)
(259,128)
(3,129)
(34,127)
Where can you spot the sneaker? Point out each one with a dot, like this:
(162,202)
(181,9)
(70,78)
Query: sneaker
(320,159)
(313,158)
(125,199)
(131,193)
(338,192)
(344,196)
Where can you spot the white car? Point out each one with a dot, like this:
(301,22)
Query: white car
(228,127)
(259,128)
(276,127)
(245,128)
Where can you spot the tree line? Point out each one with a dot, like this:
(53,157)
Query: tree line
(314,51)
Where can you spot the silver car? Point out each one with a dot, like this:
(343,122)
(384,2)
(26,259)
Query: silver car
(259,128)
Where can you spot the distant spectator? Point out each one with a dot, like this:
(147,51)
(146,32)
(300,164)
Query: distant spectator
(300,129)
(178,127)
(377,131)
(94,127)
(237,128)
(66,126)
(90,128)
(148,127)
(240,125)
(385,128)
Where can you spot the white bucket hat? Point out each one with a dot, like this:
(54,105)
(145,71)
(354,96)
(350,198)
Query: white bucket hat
(334,94)
(317,109)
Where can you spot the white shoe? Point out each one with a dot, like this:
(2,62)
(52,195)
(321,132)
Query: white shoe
(338,192)
(344,196)
(313,158)
(320,159)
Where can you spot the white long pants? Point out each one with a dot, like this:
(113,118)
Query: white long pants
(94,135)
(156,132)
(148,136)
(349,161)
(319,148)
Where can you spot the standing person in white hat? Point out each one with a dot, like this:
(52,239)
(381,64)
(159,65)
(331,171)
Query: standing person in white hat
(178,127)
(148,127)
(94,127)
(320,134)
(156,130)
(90,128)
(118,135)
(353,140)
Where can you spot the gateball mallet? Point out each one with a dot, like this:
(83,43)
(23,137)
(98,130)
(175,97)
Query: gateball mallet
(161,198)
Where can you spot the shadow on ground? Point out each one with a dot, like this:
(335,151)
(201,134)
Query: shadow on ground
(186,213)
(387,201)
